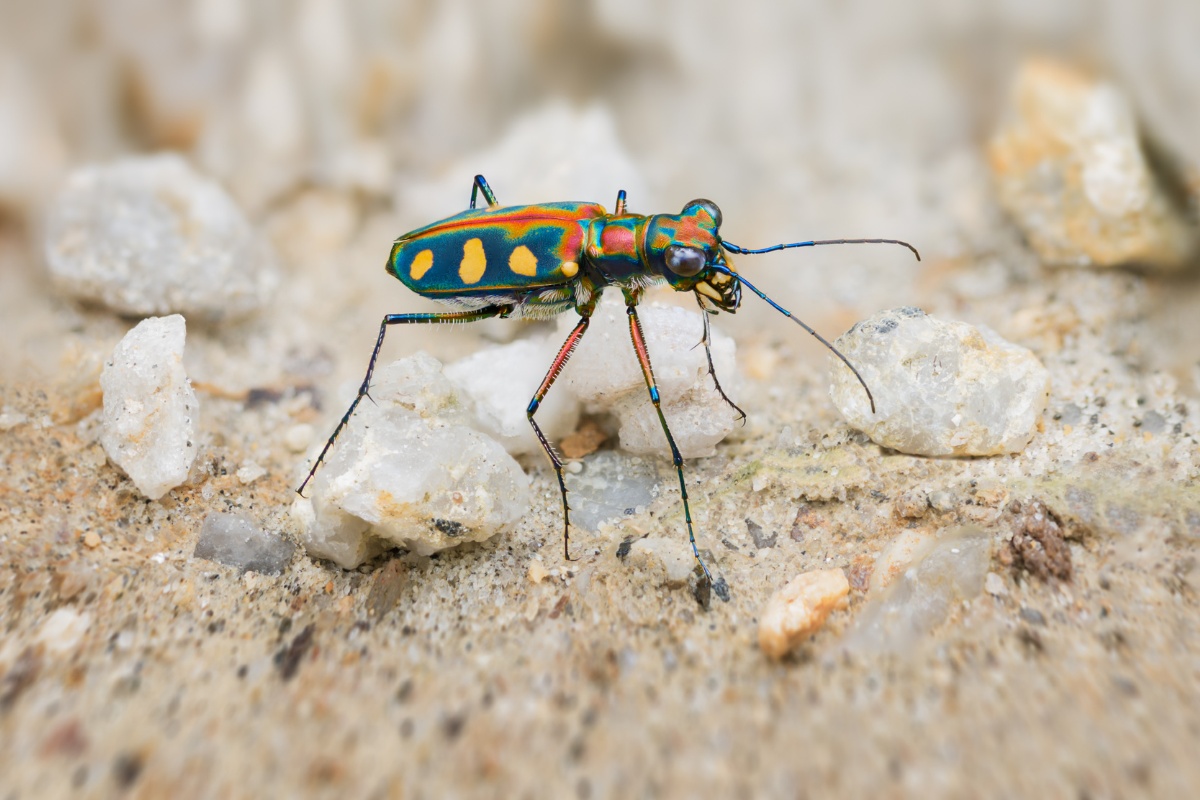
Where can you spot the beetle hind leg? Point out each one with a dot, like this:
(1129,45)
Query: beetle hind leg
(364,388)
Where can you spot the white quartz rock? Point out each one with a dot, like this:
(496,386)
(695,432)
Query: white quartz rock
(604,373)
(148,426)
(408,472)
(949,571)
(940,388)
(1070,168)
(500,381)
(238,541)
(149,235)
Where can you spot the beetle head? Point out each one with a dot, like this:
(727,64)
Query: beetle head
(685,248)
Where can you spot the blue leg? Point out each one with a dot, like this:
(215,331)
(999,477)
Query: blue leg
(481,185)
(398,319)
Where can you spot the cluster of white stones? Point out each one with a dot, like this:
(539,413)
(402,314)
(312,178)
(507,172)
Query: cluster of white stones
(409,471)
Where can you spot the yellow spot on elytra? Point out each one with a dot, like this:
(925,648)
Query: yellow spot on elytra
(569,268)
(473,263)
(421,264)
(522,261)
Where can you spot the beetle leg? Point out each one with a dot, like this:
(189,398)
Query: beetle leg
(560,361)
(619,209)
(481,185)
(706,341)
(643,356)
(398,319)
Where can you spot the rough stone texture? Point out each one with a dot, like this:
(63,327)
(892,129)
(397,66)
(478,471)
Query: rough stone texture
(149,235)
(1070,169)
(604,373)
(501,380)
(608,486)
(799,609)
(1037,545)
(948,572)
(148,427)
(407,472)
(235,540)
(940,388)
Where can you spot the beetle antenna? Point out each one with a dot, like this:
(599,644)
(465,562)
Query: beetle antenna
(799,322)
(733,248)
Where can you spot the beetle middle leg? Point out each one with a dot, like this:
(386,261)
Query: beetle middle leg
(560,361)
(619,208)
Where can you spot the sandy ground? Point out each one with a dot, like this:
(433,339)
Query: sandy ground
(127,666)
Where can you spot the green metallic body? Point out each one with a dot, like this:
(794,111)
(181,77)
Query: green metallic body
(570,253)
(540,260)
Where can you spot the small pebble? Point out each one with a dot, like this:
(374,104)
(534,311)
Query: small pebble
(1032,616)
(249,472)
(924,596)
(583,442)
(799,609)
(63,630)
(1070,169)
(905,548)
(672,555)
(235,540)
(940,388)
(994,585)
(912,504)
(91,539)
(148,425)
(298,437)
(11,419)
(149,235)
(608,486)
(537,571)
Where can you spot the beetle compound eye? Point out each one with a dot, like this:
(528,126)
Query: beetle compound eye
(685,261)
(709,206)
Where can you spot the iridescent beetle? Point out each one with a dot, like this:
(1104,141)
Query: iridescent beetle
(539,260)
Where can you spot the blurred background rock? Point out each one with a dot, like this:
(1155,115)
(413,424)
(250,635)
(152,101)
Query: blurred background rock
(329,120)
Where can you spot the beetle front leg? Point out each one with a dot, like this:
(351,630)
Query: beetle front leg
(707,342)
(643,356)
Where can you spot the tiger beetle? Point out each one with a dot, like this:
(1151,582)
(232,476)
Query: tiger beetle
(538,261)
